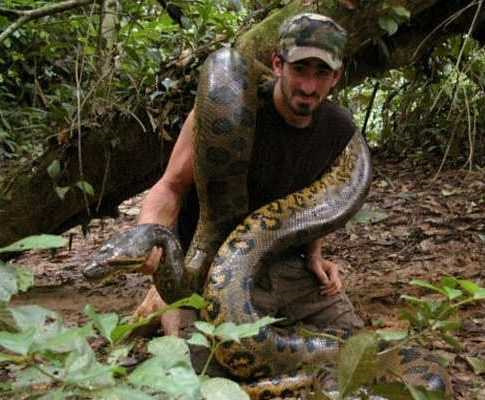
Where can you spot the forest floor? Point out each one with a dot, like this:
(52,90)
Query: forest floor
(420,228)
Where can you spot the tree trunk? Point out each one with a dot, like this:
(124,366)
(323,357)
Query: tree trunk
(129,159)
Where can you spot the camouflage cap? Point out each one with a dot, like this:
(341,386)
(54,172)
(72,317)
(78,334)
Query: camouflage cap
(313,35)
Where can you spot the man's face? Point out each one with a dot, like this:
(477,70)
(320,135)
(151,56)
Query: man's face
(305,83)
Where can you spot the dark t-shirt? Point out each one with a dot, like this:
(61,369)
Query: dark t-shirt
(284,158)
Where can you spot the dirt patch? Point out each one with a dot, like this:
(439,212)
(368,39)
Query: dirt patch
(427,229)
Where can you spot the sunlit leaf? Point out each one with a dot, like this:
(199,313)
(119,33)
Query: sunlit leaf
(357,362)
(104,323)
(205,327)
(37,242)
(389,336)
(173,350)
(388,24)
(198,339)
(222,389)
(19,343)
(54,169)
(85,187)
(427,285)
(120,392)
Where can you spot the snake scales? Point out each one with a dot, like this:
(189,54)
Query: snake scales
(225,122)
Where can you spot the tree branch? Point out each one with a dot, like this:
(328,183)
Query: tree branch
(28,15)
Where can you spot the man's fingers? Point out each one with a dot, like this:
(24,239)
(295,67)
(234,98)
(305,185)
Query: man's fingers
(152,261)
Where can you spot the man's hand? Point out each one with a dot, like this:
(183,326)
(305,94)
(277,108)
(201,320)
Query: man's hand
(327,273)
(152,262)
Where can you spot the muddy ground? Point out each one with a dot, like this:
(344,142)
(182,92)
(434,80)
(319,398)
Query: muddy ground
(421,228)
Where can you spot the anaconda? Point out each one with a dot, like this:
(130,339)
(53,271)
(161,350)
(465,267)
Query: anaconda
(225,118)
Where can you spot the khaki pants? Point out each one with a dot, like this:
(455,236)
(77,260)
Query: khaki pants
(285,288)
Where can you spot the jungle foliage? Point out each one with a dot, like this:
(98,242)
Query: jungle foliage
(63,72)
(45,358)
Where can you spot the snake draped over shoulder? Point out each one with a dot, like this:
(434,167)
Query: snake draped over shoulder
(223,258)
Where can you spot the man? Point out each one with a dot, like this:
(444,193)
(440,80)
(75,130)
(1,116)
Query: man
(298,136)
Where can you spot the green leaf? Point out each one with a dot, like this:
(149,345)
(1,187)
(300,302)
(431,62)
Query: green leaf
(8,282)
(401,12)
(388,24)
(82,369)
(59,394)
(173,350)
(37,242)
(448,325)
(451,293)
(34,376)
(72,339)
(427,285)
(449,281)
(392,391)
(54,169)
(357,363)
(227,331)
(222,389)
(115,355)
(198,339)
(61,191)
(19,343)
(478,364)
(104,323)
(390,336)
(195,301)
(205,327)
(85,187)
(121,393)
(27,317)
(178,382)
(25,278)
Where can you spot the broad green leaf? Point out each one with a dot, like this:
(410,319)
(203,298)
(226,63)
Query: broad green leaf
(61,191)
(390,336)
(357,363)
(59,394)
(451,293)
(427,285)
(178,381)
(173,350)
(479,294)
(222,389)
(253,328)
(37,242)
(388,24)
(470,287)
(34,375)
(25,278)
(401,12)
(419,393)
(119,392)
(85,187)
(31,316)
(54,169)
(8,282)
(392,391)
(205,327)
(19,343)
(82,369)
(478,364)
(104,323)
(449,281)
(227,331)
(72,339)
(195,301)
(115,355)
(198,339)
(11,358)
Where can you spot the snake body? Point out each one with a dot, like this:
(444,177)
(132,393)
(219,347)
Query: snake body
(230,258)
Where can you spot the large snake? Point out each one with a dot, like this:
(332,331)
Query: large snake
(225,121)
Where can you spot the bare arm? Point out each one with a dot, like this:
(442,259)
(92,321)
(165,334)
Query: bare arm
(163,201)
(326,271)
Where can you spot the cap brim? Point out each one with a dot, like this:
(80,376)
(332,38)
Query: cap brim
(300,53)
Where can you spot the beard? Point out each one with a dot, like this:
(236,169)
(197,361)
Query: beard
(301,109)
